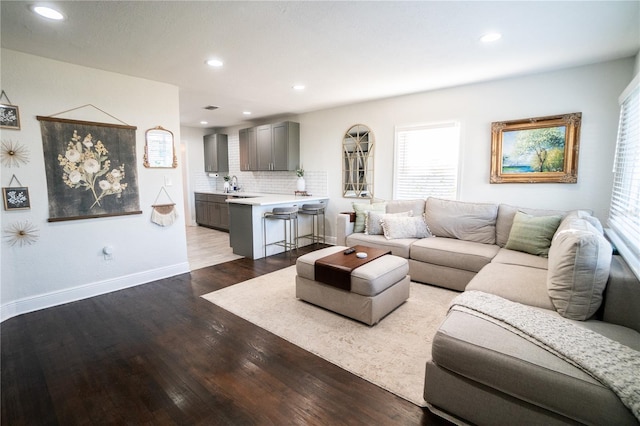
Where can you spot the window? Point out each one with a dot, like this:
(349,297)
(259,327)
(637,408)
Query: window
(624,214)
(426,161)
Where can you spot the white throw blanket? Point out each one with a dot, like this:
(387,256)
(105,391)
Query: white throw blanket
(613,364)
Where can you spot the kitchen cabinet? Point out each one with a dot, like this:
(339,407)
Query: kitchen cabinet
(216,153)
(212,211)
(270,147)
(248,146)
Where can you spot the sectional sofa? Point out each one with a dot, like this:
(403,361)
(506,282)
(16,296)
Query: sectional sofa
(541,262)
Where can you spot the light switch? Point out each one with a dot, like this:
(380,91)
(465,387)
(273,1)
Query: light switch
(168,181)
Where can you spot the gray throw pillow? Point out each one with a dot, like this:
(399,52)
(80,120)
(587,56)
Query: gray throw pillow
(361,213)
(579,264)
(405,227)
(373,225)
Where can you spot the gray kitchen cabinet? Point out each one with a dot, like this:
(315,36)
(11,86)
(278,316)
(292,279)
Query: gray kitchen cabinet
(270,147)
(216,153)
(285,142)
(212,211)
(248,160)
(264,147)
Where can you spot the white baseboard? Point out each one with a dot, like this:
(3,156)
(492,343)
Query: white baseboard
(47,300)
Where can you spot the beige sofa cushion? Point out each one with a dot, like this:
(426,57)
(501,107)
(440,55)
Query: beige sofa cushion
(579,263)
(513,257)
(517,283)
(399,247)
(532,234)
(462,220)
(514,369)
(398,206)
(506,213)
(452,253)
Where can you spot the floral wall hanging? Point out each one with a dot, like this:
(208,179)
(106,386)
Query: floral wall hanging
(90,167)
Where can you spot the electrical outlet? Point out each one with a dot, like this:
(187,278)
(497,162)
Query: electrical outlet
(168,181)
(107,251)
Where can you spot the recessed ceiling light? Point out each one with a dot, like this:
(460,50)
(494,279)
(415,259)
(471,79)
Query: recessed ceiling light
(48,12)
(217,63)
(299,87)
(489,37)
(204,122)
(246,112)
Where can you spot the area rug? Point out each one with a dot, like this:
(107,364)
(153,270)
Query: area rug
(391,354)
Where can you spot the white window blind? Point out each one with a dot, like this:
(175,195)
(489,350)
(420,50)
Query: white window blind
(426,161)
(624,214)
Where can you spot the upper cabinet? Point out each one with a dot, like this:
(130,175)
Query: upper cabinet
(216,153)
(248,145)
(270,147)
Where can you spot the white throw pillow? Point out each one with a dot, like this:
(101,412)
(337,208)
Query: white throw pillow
(405,227)
(373,225)
(579,263)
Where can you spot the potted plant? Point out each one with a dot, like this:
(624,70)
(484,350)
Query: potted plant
(300,183)
(226,178)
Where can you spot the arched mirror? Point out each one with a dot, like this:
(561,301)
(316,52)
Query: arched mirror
(159,151)
(357,162)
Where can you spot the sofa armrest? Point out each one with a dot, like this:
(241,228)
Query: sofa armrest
(622,295)
(344,227)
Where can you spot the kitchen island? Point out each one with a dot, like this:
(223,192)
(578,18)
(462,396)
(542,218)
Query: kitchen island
(245,221)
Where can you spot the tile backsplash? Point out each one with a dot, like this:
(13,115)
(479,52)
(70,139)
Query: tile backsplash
(262,182)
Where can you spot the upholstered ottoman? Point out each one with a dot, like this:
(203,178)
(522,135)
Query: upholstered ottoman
(377,287)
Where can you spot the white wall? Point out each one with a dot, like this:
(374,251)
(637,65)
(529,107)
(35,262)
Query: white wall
(192,146)
(592,90)
(66,263)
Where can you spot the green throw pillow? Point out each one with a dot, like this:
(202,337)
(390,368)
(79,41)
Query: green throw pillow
(532,234)
(361,213)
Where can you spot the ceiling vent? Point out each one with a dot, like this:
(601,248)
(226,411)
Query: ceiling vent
(211,107)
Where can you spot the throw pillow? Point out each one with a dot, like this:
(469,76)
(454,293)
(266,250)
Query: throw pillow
(466,221)
(405,227)
(398,206)
(361,209)
(532,234)
(372,225)
(579,264)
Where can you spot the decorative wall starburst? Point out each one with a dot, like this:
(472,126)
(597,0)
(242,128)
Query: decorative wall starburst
(21,233)
(13,154)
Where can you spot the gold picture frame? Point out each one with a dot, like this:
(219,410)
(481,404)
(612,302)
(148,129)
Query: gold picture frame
(536,150)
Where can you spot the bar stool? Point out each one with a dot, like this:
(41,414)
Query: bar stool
(316,211)
(289,217)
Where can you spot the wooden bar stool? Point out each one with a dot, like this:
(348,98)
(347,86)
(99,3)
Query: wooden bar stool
(289,217)
(316,211)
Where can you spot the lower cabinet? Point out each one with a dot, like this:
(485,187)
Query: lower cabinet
(212,211)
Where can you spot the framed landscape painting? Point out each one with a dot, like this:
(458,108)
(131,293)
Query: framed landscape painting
(536,150)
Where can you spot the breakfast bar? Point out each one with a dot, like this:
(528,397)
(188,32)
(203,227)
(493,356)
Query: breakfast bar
(245,222)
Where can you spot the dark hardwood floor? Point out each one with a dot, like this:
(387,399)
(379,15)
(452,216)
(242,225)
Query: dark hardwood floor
(159,354)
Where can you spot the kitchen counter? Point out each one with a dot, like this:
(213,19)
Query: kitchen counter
(271,199)
(246,210)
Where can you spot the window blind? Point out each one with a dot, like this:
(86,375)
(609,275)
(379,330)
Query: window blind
(624,213)
(426,161)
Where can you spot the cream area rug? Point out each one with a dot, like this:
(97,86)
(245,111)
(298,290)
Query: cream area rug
(391,354)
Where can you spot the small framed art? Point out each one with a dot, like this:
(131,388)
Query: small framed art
(9,116)
(16,198)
